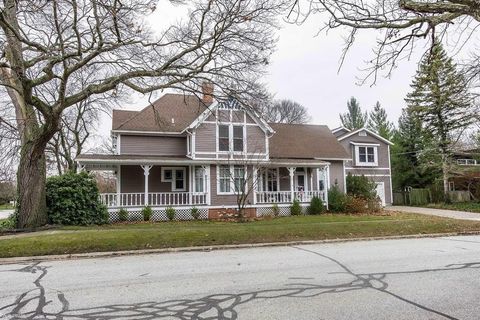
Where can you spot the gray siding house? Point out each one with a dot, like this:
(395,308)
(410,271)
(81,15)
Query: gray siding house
(369,156)
(183,151)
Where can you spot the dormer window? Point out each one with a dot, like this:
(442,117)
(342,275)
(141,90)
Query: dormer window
(230,138)
(366,155)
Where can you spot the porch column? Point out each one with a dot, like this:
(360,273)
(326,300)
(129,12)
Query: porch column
(255,184)
(146,172)
(119,196)
(291,170)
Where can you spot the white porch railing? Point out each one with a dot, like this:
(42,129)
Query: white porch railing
(154,199)
(286,196)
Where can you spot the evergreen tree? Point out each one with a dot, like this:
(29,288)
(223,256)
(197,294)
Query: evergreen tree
(441,100)
(354,118)
(377,122)
(409,164)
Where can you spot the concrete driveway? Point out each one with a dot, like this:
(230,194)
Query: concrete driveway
(462,215)
(436,278)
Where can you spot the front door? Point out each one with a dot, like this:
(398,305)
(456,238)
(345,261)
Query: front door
(299,181)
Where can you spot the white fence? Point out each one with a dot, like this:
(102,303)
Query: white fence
(286,196)
(154,199)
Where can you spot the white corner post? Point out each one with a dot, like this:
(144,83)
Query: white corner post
(146,173)
(118,182)
(255,180)
(291,171)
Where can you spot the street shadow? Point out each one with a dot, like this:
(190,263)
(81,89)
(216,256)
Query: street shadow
(33,304)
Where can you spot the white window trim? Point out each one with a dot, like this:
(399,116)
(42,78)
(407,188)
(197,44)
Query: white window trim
(231,179)
(366,164)
(173,180)
(230,138)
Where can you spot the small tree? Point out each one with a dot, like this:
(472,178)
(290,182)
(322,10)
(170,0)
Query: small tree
(316,206)
(286,111)
(354,118)
(336,200)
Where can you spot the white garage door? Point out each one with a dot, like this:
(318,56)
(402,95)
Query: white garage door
(381,191)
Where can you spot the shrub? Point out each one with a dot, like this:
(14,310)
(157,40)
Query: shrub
(170,213)
(9,223)
(195,213)
(336,200)
(316,206)
(123,215)
(147,213)
(295,208)
(73,199)
(361,187)
(356,205)
(275,210)
(374,205)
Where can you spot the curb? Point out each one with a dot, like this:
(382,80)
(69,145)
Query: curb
(109,254)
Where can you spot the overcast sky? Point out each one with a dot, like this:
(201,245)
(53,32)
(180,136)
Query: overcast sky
(304,69)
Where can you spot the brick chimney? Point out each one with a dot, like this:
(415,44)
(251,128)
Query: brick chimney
(207,90)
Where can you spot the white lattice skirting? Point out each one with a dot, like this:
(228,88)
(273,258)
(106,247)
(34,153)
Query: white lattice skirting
(159,214)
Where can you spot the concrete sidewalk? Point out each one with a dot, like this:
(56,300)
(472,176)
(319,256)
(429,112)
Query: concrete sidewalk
(461,215)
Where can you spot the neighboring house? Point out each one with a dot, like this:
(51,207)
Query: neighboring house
(465,172)
(183,151)
(370,156)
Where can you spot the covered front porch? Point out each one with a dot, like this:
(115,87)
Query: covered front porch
(280,185)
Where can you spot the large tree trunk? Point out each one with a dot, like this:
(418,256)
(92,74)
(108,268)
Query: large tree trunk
(31,180)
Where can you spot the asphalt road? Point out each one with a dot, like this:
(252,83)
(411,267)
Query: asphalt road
(392,279)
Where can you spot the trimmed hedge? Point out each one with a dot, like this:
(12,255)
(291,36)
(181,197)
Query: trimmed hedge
(73,199)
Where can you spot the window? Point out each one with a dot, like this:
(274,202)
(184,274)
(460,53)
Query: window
(466,162)
(237,138)
(239,178)
(167,175)
(230,138)
(268,180)
(366,155)
(179,180)
(223,138)
(176,176)
(199,179)
(224,179)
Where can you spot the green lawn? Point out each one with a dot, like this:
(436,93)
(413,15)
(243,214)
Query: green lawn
(6,206)
(461,206)
(204,233)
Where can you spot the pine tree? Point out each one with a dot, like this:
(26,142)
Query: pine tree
(354,118)
(378,122)
(441,100)
(409,164)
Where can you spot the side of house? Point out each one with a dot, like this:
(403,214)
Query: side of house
(370,157)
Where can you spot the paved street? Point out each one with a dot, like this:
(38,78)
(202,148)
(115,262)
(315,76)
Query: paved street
(392,279)
(462,215)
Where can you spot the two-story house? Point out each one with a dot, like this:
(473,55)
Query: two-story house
(182,151)
(369,156)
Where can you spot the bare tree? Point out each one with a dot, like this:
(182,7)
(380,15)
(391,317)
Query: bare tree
(285,111)
(47,45)
(400,24)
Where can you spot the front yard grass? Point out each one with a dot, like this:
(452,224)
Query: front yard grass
(67,240)
(460,206)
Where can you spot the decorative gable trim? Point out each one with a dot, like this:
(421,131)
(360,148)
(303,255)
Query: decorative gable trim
(230,105)
(369,132)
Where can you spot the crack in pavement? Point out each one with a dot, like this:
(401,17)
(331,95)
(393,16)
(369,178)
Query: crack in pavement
(215,306)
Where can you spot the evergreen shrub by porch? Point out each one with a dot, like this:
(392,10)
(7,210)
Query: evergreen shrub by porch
(316,206)
(336,200)
(123,215)
(296,208)
(73,199)
(194,212)
(147,213)
(361,187)
(170,213)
